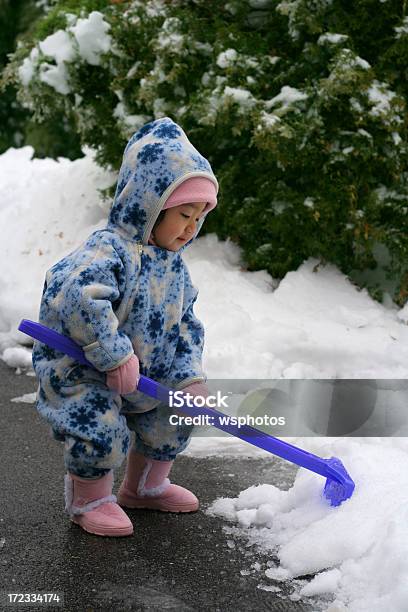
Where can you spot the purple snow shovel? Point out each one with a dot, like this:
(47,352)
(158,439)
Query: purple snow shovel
(339,485)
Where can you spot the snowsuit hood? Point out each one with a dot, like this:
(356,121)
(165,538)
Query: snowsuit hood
(157,159)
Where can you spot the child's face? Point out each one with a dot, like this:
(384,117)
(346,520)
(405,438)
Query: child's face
(178,225)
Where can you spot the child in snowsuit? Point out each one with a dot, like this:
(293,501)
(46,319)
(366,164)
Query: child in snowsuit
(126,297)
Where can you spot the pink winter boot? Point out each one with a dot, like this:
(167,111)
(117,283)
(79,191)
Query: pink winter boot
(91,505)
(146,486)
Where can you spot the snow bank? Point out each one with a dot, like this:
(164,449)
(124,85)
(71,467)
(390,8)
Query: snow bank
(358,551)
(47,208)
(316,324)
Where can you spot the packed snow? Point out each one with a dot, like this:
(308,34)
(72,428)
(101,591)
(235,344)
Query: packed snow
(47,207)
(313,324)
(358,551)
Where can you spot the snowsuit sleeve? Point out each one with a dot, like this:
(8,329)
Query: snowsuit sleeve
(187,363)
(86,302)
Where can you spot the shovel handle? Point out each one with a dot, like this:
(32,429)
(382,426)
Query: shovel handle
(156,390)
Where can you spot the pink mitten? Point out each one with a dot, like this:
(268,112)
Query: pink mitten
(125,378)
(197,388)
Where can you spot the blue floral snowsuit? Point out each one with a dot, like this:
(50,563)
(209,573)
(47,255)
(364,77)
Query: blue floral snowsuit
(116,294)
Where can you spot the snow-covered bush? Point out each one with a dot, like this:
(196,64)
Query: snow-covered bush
(300,107)
(53,138)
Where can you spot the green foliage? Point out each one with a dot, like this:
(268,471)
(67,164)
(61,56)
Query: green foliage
(300,107)
(57,137)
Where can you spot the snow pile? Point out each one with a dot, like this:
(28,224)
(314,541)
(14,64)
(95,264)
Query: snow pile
(358,551)
(47,208)
(17,357)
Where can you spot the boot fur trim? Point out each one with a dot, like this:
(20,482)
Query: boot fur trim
(69,495)
(152,491)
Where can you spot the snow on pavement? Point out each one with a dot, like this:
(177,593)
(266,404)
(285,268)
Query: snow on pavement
(358,551)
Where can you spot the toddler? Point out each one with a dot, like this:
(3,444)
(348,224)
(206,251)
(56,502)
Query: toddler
(125,295)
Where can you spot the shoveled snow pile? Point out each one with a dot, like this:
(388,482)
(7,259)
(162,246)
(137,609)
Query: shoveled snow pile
(47,208)
(357,552)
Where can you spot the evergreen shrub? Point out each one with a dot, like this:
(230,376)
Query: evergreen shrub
(300,107)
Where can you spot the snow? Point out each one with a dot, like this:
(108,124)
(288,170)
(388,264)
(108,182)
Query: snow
(402,30)
(362,63)
(26,70)
(313,324)
(204,48)
(226,58)
(396,138)
(169,37)
(364,133)
(59,46)
(56,77)
(86,40)
(286,97)
(27,398)
(268,120)
(154,8)
(129,123)
(91,34)
(241,96)
(47,207)
(17,357)
(308,202)
(325,582)
(358,551)
(331,38)
(380,97)
(403,314)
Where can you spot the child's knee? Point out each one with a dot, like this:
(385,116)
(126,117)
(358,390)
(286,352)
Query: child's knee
(94,457)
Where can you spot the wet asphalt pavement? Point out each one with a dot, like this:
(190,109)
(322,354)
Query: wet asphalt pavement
(172,562)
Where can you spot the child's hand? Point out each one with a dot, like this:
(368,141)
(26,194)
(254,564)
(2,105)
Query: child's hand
(197,388)
(125,378)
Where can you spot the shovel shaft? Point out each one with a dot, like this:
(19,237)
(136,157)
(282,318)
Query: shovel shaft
(157,390)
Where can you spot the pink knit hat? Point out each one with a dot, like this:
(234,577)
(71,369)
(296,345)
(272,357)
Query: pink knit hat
(195,189)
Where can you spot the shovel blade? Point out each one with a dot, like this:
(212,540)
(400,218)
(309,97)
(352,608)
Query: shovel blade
(339,485)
